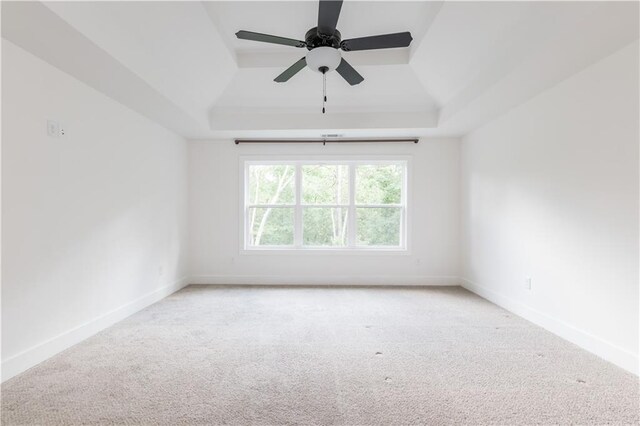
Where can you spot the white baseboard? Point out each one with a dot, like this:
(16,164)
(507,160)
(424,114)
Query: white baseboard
(26,359)
(370,280)
(596,345)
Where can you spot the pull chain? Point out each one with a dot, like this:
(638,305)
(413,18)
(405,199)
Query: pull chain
(324,91)
(324,87)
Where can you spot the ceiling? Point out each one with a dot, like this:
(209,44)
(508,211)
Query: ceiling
(180,64)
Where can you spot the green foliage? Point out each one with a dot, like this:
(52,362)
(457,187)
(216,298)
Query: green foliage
(379,184)
(272,184)
(378,226)
(325,185)
(323,226)
(277,226)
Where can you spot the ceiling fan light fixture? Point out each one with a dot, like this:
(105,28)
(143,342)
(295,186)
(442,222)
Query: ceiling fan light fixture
(323,56)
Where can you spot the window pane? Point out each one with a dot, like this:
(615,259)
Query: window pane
(270,226)
(324,226)
(378,226)
(379,184)
(271,184)
(325,184)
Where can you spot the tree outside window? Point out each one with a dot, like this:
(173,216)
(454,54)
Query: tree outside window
(337,205)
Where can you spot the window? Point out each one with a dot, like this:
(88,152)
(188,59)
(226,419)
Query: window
(329,205)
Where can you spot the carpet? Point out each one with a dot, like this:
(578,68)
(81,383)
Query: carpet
(330,355)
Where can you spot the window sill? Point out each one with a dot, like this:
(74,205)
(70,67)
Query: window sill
(318,251)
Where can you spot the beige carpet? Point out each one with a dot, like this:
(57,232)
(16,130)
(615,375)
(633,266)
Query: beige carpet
(351,356)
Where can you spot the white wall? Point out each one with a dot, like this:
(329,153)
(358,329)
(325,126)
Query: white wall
(215,220)
(94,223)
(550,191)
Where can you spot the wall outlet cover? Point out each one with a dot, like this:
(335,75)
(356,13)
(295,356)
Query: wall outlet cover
(53,128)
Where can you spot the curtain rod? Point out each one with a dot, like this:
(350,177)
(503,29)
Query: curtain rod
(323,141)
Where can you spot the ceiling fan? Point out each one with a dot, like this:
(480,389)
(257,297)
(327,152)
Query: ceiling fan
(324,44)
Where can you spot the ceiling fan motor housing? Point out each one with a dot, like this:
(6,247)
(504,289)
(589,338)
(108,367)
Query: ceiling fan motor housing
(314,39)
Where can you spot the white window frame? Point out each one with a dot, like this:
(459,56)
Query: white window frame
(351,162)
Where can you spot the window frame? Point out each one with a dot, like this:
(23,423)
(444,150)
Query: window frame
(351,161)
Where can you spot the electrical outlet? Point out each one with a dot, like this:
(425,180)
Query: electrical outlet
(53,128)
(527,283)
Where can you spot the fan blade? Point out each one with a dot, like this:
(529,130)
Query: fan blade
(385,41)
(348,73)
(328,14)
(291,71)
(266,38)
